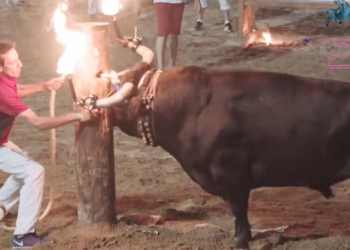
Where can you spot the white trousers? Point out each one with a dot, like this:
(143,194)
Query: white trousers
(27,177)
(224,5)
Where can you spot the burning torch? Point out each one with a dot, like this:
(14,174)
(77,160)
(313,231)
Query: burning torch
(75,43)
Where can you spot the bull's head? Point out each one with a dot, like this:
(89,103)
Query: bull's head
(125,116)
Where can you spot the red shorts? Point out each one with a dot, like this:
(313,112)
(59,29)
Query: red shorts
(169,18)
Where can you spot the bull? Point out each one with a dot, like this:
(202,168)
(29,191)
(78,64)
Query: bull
(234,131)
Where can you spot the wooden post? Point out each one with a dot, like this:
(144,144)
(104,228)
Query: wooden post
(240,17)
(246,18)
(94,140)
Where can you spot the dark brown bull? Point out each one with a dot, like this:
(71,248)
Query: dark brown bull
(233,131)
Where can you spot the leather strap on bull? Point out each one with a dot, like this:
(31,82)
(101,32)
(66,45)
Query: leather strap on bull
(145,121)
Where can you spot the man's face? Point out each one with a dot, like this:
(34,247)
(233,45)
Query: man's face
(12,65)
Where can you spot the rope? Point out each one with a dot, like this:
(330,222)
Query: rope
(53,165)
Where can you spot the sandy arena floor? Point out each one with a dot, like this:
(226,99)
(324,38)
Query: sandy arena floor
(147,178)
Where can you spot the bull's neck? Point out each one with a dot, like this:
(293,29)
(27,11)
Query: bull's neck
(168,120)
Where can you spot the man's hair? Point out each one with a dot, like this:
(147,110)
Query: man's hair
(5,46)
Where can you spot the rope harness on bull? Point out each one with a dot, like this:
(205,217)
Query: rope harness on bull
(145,121)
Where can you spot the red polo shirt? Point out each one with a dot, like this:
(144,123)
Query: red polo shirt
(10,106)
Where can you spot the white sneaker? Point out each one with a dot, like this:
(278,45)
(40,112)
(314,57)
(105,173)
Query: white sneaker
(12,2)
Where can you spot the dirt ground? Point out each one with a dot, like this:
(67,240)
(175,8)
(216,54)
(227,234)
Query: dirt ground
(149,181)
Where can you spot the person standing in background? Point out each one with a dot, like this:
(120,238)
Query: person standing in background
(201,5)
(169,19)
(138,10)
(94,7)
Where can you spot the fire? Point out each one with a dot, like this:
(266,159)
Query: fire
(267,37)
(75,42)
(110,7)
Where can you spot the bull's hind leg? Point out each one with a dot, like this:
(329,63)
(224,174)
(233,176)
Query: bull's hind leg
(238,202)
(230,171)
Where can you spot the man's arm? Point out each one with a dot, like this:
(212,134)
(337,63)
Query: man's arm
(28,90)
(45,123)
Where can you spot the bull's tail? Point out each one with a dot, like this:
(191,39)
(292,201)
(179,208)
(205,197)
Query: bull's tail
(343,175)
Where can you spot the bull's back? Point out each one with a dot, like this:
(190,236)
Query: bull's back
(293,128)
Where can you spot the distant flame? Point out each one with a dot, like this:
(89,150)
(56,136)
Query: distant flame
(267,37)
(75,42)
(110,7)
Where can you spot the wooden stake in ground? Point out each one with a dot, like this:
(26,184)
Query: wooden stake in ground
(94,140)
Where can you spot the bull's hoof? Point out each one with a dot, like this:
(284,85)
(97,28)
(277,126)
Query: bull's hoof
(261,245)
(242,244)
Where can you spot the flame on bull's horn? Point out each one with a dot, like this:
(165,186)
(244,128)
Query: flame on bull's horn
(110,7)
(74,41)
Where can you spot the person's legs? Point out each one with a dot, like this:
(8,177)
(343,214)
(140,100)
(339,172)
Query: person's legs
(200,13)
(176,13)
(163,15)
(92,7)
(225,8)
(30,175)
(8,194)
(137,7)
(138,10)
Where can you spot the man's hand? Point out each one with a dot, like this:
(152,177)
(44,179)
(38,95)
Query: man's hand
(86,115)
(54,83)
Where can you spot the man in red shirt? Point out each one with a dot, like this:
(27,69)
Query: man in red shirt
(27,176)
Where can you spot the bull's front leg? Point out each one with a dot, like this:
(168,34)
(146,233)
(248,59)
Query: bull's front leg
(230,170)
